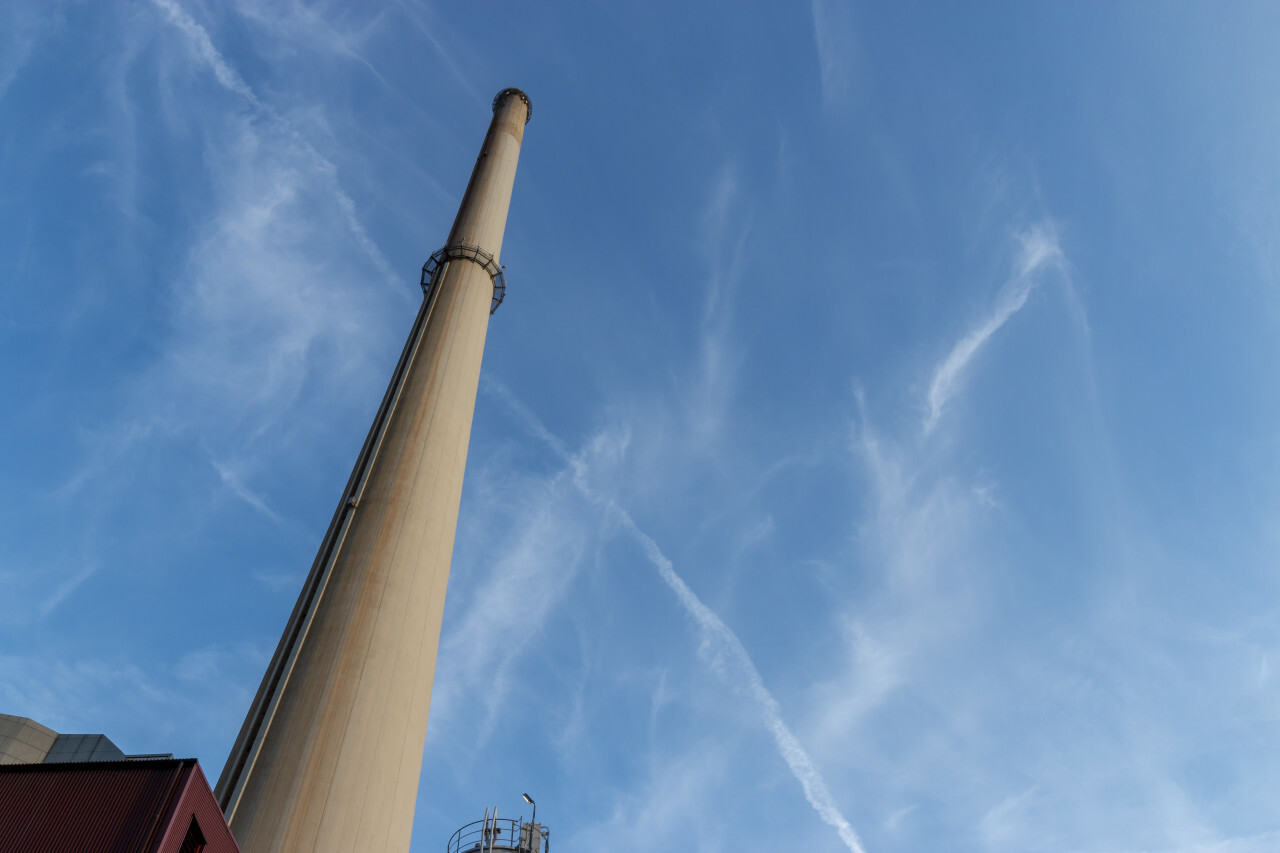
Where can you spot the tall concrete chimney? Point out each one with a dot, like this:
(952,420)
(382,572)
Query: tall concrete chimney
(329,755)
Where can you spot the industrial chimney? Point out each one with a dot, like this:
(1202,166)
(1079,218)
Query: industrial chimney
(329,755)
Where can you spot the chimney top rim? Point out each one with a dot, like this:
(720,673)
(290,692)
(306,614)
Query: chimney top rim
(502,96)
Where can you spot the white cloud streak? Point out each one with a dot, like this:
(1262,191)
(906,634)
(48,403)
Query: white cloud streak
(271,292)
(428,31)
(301,23)
(21,29)
(838,50)
(68,586)
(1038,250)
(660,811)
(205,51)
(139,708)
(727,227)
(532,571)
(921,534)
(1001,826)
(237,487)
(720,646)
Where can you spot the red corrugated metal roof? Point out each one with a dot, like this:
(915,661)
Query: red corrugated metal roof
(197,801)
(109,806)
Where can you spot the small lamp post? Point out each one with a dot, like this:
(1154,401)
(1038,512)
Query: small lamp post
(528,799)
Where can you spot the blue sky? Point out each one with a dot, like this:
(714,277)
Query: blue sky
(875,451)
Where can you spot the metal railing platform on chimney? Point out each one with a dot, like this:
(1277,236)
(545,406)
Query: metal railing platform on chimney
(500,835)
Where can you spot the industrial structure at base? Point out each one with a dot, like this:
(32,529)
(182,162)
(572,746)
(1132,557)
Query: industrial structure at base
(329,755)
(63,792)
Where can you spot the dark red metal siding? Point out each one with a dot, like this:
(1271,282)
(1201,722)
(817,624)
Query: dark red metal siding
(112,807)
(106,805)
(197,801)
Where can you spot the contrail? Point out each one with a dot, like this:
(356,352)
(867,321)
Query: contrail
(67,587)
(719,643)
(729,649)
(199,36)
(240,490)
(1039,247)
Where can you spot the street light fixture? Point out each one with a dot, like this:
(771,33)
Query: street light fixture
(528,799)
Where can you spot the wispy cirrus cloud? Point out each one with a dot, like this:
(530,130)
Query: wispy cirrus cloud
(718,645)
(524,578)
(726,225)
(429,30)
(202,46)
(180,706)
(63,590)
(299,23)
(1038,250)
(839,53)
(922,538)
(721,646)
(21,31)
(232,481)
(267,280)
(918,540)
(270,292)
(658,811)
(1002,826)
(203,49)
